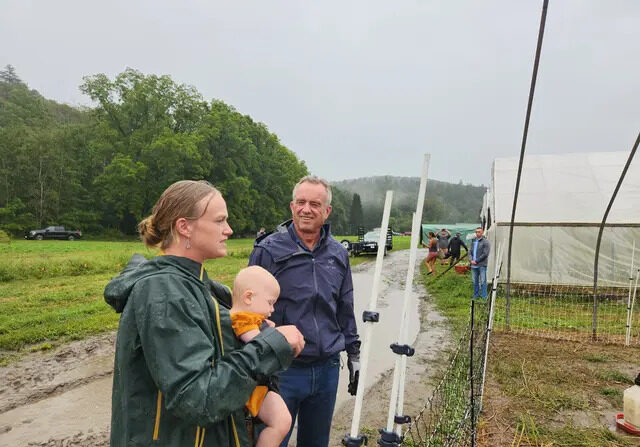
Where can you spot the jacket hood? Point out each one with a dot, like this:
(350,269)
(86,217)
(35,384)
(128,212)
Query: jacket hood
(117,292)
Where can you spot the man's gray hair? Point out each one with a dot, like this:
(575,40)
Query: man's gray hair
(315,180)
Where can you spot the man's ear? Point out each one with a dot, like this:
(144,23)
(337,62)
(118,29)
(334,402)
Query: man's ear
(247,297)
(329,208)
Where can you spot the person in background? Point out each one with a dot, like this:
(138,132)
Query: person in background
(316,294)
(480,248)
(181,377)
(443,242)
(261,232)
(432,245)
(454,249)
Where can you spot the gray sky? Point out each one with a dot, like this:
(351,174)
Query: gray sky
(362,88)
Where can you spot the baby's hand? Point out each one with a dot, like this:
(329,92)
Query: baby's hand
(270,323)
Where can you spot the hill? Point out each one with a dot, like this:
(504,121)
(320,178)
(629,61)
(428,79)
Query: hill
(444,202)
(101,169)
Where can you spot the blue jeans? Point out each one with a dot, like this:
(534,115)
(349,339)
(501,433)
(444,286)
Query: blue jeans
(479,275)
(310,395)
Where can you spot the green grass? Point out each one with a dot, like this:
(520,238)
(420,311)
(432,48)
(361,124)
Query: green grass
(451,293)
(538,389)
(51,292)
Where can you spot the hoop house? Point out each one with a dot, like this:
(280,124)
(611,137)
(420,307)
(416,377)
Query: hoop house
(560,206)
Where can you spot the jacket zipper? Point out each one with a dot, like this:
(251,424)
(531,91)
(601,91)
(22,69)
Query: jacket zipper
(233,422)
(199,436)
(156,427)
(315,305)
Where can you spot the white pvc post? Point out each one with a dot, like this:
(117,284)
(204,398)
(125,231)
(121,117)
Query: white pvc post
(494,291)
(395,402)
(628,335)
(368,325)
(633,301)
(408,291)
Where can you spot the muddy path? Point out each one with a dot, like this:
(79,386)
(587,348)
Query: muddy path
(63,397)
(429,335)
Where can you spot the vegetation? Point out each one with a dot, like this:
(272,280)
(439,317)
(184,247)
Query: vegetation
(52,291)
(542,392)
(445,203)
(104,168)
(101,169)
(356,215)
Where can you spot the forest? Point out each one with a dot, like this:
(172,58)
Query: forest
(100,169)
(445,203)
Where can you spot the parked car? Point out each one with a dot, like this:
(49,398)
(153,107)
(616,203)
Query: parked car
(54,233)
(368,242)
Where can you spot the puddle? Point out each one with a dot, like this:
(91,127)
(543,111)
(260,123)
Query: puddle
(385,332)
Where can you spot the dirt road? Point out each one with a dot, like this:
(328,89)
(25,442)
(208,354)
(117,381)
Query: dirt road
(63,398)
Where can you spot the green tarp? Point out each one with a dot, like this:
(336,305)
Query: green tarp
(466,230)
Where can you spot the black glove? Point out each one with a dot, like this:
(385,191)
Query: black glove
(353,363)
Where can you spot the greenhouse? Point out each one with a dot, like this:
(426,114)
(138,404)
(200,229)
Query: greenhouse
(561,202)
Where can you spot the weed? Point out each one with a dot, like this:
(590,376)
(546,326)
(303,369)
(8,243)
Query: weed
(612,375)
(596,358)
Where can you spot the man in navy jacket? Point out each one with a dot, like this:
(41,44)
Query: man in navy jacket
(316,294)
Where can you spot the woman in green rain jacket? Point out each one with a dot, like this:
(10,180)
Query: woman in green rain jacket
(181,378)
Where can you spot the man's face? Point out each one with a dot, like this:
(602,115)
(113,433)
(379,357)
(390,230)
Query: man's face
(309,209)
(479,233)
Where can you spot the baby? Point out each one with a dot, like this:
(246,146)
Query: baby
(255,291)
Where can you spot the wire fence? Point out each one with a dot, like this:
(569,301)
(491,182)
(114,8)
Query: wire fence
(567,312)
(450,415)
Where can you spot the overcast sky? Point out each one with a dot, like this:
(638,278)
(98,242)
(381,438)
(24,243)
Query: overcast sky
(359,88)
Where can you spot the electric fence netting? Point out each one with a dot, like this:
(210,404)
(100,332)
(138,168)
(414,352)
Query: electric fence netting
(450,416)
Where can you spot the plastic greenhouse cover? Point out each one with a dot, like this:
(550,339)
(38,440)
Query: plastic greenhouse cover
(567,188)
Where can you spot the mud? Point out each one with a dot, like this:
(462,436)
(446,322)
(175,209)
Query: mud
(63,397)
(59,398)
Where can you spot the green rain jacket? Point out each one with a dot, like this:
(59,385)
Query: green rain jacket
(181,377)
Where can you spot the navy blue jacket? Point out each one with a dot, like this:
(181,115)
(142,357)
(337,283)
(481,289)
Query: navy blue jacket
(316,290)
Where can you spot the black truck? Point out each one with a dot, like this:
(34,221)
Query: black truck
(368,242)
(53,233)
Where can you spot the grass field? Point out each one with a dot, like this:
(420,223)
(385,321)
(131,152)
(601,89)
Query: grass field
(51,292)
(542,392)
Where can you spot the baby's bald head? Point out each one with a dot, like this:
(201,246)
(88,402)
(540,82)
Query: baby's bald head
(256,280)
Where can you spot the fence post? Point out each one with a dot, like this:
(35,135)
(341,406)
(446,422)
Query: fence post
(473,409)
(492,303)
(604,220)
(532,89)
(633,302)
(628,334)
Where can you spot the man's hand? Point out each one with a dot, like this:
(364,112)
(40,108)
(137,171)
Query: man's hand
(353,363)
(294,338)
(473,262)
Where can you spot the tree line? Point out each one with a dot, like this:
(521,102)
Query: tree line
(445,203)
(100,169)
